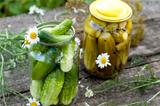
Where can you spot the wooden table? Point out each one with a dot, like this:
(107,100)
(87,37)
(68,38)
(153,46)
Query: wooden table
(149,50)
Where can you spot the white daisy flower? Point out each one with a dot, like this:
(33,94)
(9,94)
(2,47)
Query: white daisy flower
(89,93)
(103,60)
(33,102)
(81,53)
(35,10)
(32,35)
(40,11)
(32,9)
(26,44)
(77,40)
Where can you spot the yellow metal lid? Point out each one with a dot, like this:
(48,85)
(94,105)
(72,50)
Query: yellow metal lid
(111,10)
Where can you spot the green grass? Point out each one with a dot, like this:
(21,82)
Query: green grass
(11,55)
(15,7)
(137,83)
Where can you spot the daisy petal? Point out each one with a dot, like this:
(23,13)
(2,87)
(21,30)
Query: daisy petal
(103,60)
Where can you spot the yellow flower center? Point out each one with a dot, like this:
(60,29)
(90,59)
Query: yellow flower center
(33,104)
(33,35)
(26,42)
(103,60)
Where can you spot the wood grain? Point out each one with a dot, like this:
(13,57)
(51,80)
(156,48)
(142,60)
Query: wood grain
(149,49)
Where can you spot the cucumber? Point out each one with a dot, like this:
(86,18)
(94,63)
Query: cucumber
(52,87)
(44,65)
(60,29)
(67,59)
(46,37)
(70,86)
(32,62)
(35,88)
(40,70)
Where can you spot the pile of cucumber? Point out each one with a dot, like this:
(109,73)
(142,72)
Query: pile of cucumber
(54,69)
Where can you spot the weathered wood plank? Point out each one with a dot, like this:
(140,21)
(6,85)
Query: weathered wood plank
(13,100)
(116,95)
(112,96)
(19,79)
(150,44)
(18,23)
(151,9)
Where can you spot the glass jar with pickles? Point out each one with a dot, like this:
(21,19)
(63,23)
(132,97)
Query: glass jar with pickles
(107,37)
(54,59)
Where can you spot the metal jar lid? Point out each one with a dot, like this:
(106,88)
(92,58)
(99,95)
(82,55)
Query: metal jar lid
(111,10)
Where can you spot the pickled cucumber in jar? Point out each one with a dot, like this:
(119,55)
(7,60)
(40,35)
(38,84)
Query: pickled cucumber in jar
(107,37)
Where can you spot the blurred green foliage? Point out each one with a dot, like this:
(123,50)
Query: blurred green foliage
(15,7)
(88,1)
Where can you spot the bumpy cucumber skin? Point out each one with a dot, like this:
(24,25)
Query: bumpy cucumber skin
(40,70)
(46,37)
(60,29)
(35,88)
(52,87)
(90,52)
(67,59)
(70,86)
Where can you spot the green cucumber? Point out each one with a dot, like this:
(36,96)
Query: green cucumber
(61,28)
(32,62)
(40,70)
(52,87)
(46,37)
(70,86)
(67,59)
(44,65)
(35,88)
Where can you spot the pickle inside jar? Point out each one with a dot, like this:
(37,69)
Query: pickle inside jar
(114,40)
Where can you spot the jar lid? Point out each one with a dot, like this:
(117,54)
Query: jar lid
(111,10)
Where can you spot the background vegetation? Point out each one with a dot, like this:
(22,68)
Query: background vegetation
(15,7)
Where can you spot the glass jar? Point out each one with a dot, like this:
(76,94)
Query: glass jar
(54,66)
(107,37)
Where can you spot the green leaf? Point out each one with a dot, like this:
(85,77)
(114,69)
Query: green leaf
(14,8)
